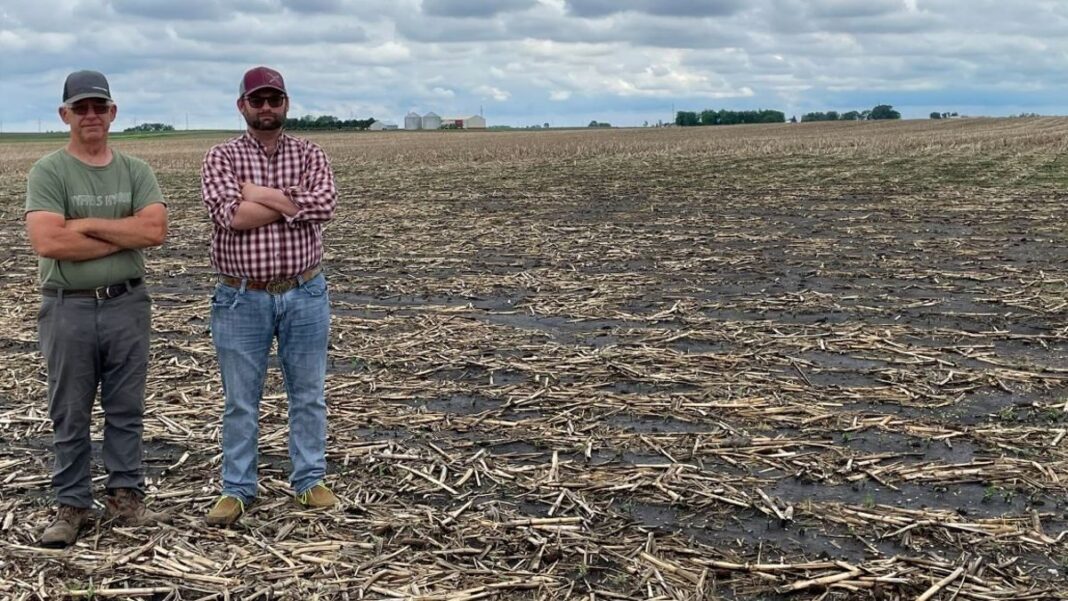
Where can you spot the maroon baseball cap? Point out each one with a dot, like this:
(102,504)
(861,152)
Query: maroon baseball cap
(258,78)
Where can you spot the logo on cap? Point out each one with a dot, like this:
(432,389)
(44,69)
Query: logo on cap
(85,84)
(261,77)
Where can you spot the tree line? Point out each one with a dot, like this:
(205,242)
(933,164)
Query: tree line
(149,128)
(725,117)
(307,122)
(882,111)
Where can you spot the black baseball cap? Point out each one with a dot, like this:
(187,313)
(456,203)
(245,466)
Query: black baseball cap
(85,84)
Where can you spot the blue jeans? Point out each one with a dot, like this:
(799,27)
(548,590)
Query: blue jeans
(244,323)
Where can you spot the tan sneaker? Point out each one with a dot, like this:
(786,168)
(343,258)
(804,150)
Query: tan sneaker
(226,511)
(63,531)
(317,496)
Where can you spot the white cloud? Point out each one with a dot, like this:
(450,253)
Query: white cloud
(534,59)
(491,92)
(22,41)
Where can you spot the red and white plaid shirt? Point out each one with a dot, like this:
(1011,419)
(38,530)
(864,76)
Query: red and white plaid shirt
(284,248)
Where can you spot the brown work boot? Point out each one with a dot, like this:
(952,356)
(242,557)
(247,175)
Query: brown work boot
(127,507)
(226,511)
(63,531)
(317,496)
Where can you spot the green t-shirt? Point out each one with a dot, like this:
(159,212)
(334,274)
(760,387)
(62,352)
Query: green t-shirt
(60,183)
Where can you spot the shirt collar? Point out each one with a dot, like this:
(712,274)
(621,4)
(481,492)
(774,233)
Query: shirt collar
(254,143)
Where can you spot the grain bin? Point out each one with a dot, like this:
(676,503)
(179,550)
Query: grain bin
(431,121)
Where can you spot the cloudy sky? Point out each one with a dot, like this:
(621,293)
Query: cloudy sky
(523,62)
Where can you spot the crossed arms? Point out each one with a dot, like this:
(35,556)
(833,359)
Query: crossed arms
(261,205)
(54,237)
(236,204)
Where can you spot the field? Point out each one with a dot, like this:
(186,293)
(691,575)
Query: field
(818,361)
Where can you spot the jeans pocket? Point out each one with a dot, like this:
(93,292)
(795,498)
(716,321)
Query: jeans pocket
(224,297)
(314,287)
(47,302)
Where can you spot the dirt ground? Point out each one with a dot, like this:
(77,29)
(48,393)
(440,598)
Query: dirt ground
(819,361)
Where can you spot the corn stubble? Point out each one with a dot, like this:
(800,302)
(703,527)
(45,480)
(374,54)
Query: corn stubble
(823,361)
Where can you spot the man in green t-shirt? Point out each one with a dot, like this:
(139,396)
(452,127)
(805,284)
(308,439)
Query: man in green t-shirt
(90,210)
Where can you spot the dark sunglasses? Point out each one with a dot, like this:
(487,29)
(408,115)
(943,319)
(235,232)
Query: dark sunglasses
(99,108)
(256,102)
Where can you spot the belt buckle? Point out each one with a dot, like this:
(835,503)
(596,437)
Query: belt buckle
(101,293)
(278,286)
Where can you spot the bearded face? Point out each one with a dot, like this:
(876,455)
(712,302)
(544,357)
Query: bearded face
(264,110)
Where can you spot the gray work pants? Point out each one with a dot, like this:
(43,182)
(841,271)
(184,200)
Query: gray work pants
(89,343)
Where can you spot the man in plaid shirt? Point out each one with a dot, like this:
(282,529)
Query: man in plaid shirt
(269,195)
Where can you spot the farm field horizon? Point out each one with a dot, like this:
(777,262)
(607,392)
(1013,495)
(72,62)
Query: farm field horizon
(813,361)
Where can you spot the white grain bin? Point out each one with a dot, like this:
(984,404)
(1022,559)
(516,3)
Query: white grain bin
(431,121)
(413,121)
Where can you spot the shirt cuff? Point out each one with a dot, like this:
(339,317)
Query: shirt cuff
(293,194)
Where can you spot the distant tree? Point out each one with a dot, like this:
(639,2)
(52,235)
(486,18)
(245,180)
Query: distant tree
(546,126)
(596,123)
(327,122)
(832,115)
(149,127)
(793,119)
(770,116)
(850,116)
(725,117)
(884,111)
(686,118)
(936,115)
(865,115)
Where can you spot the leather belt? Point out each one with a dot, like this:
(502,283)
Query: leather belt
(272,286)
(101,293)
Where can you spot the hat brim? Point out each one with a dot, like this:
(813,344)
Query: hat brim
(264,87)
(86,96)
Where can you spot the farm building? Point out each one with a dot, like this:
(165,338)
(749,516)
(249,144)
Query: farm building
(381,126)
(413,121)
(472,122)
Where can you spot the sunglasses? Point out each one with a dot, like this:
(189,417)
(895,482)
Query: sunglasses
(257,102)
(99,108)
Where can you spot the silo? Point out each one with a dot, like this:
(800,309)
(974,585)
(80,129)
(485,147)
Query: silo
(413,121)
(431,121)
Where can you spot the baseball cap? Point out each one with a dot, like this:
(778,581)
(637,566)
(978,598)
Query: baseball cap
(258,78)
(85,84)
